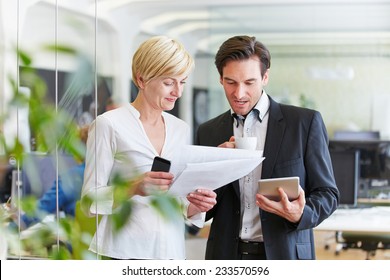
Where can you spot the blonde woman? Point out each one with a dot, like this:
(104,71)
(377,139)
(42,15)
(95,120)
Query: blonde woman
(126,140)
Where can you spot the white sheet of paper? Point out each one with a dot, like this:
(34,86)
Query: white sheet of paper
(210,167)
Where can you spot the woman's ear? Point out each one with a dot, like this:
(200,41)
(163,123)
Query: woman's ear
(140,81)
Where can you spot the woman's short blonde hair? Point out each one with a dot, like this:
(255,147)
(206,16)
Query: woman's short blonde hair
(160,56)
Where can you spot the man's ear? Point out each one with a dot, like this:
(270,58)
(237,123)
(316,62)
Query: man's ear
(265,78)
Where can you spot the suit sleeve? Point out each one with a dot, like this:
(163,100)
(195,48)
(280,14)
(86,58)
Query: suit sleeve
(321,192)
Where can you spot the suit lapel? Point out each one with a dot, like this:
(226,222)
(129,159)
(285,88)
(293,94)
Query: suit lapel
(225,128)
(275,132)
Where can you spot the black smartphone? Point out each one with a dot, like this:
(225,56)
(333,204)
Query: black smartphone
(161,164)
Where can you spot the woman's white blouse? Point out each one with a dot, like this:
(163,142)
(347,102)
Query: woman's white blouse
(116,143)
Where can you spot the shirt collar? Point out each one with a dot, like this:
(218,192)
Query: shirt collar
(261,108)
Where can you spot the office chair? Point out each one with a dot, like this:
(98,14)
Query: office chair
(369,243)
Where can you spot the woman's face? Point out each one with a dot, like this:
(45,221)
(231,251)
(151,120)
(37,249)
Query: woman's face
(162,92)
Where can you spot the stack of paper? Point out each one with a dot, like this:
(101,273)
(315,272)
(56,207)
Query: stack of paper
(210,167)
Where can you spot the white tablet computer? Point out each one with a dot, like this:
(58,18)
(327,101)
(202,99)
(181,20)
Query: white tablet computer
(269,187)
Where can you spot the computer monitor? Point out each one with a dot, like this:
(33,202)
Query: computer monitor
(346,172)
(374,165)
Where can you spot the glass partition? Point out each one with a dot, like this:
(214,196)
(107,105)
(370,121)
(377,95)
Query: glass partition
(75,58)
(51,53)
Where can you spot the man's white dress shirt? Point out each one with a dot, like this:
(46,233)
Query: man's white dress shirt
(250,218)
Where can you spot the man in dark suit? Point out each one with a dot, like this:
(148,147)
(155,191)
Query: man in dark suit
(247,225)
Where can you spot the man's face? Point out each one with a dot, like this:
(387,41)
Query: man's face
(243,84)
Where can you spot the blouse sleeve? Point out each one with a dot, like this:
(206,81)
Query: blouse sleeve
(98,165)
(197,219)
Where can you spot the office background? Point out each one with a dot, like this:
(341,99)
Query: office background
(328,55)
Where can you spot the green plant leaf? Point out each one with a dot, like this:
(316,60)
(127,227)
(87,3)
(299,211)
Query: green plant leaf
(121,215)
(167,206)
(60,49)
(24,57)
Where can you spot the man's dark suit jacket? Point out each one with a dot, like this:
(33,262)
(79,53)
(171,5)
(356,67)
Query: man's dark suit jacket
(296,145)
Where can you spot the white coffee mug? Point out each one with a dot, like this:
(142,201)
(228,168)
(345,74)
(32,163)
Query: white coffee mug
(248,143)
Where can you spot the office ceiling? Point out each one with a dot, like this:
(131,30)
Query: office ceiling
(279,22)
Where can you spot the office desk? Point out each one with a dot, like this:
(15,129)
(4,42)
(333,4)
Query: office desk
(373,201)
(373,220)
(367,229)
